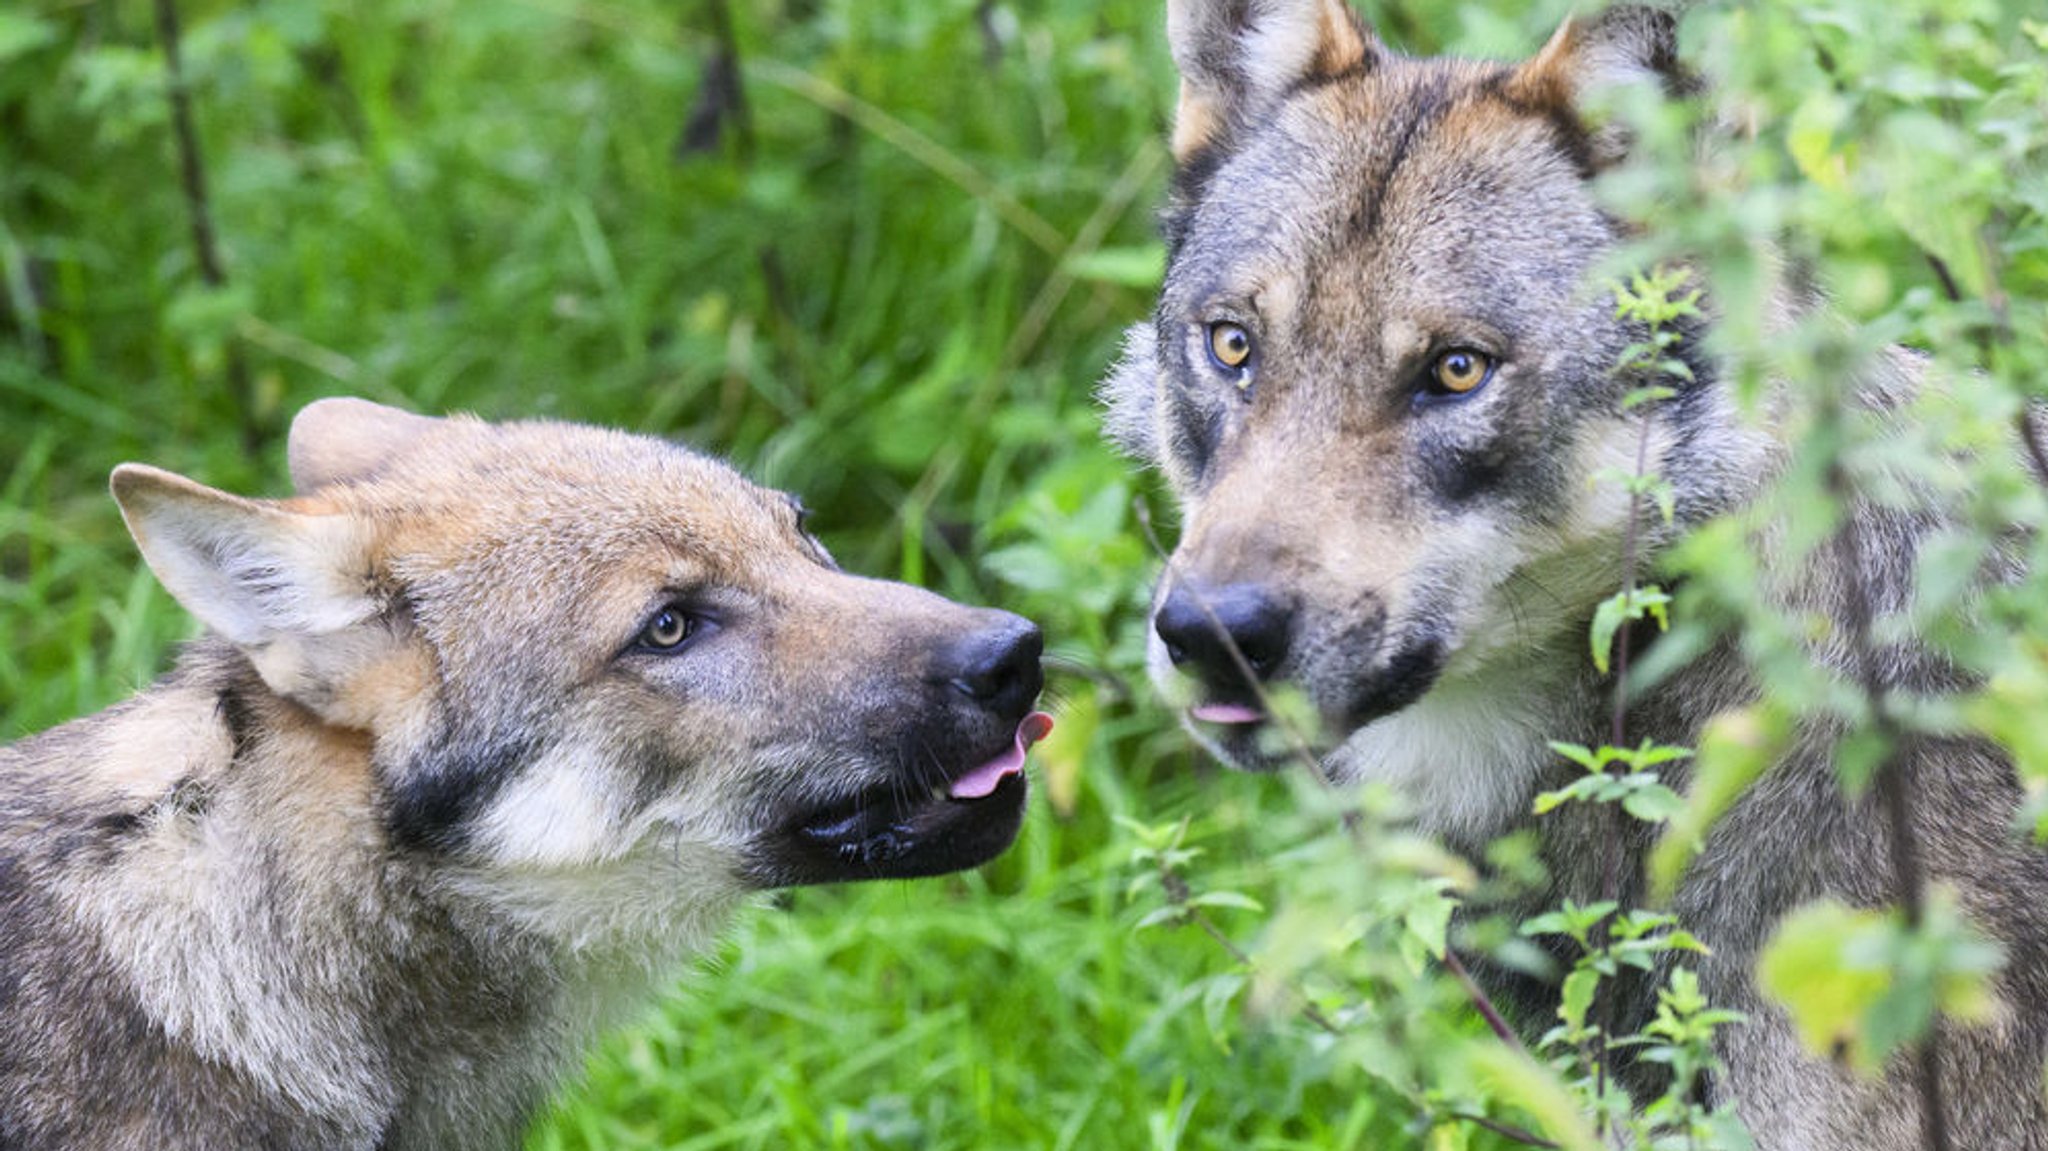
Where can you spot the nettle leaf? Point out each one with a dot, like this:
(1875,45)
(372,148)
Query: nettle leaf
(1219,993)
(1626,607)
(1233,899)
(1648,755)
(1577,999)
(1580,754)
(1858,757)
(1649,395)
(1428,917)
(1161,915)
(1653,803)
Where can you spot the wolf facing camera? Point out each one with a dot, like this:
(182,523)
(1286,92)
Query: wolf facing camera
(1379,384)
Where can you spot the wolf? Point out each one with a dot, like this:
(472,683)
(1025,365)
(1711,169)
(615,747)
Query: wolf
(1378,385)
(492,726)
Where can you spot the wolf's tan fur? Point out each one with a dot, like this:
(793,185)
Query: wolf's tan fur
(371,866)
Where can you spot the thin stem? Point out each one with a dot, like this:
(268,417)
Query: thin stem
(1610,886)
(198,206)
(1504,1130)
(1487,1010)
(1894,790)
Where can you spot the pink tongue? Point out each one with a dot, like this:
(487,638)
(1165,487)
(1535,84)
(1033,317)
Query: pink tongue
(981,782)
(1227,713)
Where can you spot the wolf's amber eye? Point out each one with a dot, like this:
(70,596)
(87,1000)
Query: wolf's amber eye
(1460,370)
(667,630)
(1229,345)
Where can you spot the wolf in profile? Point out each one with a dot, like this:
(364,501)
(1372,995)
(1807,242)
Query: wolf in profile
(1378,384)
(494,724)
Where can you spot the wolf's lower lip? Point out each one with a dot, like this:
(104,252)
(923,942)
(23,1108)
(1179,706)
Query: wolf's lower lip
(884,833)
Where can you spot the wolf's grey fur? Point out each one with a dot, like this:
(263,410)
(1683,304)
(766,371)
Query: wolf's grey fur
(1422,565)
(431,804)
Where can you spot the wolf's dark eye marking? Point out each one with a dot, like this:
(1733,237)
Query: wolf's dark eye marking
(667,631)
(1230,348)
(1460,371)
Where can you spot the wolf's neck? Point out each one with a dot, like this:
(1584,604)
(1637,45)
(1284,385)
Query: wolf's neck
(1471,754)
(244,908)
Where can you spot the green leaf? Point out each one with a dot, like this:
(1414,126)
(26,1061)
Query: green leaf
(1233,899)
(1160,915)
(1653,803)
(1736,747)
(1428,920)
(1577,999)
(1811,968)
(1579,754)
(1859,756)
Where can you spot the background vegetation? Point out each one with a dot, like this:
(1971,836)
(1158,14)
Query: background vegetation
(878,251)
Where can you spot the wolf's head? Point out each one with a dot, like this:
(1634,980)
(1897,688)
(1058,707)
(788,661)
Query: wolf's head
(576,652)
(1378,379)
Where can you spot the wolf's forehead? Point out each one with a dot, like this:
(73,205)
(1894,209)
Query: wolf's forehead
(581,496)
(1408,169)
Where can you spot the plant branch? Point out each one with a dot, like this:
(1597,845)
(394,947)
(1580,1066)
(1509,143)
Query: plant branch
(1179,896)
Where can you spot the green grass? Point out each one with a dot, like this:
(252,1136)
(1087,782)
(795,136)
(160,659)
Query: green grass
(893,295)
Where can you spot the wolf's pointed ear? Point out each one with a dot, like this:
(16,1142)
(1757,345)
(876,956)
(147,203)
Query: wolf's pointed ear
(1236,57)
(343,438)
(287,587)
(1587,61)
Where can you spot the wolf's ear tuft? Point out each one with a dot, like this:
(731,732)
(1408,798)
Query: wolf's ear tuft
(287,587)
(340,439)
(1237,57)
(1588,61)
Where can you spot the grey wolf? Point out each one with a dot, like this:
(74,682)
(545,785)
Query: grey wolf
(493,725)
(1378,385)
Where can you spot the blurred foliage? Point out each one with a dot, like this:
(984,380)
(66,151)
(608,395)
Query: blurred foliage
(878,251)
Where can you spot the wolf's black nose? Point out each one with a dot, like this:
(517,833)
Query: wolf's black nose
(996,666)
(1200,626)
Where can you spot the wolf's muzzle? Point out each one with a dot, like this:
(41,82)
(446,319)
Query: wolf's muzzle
(958,800)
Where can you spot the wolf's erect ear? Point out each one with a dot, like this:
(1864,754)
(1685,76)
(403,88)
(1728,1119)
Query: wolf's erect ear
(287,587)
(342,438)
(1238,56)
(1592,60)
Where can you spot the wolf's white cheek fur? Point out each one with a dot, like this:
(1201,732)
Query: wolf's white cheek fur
(1465,755)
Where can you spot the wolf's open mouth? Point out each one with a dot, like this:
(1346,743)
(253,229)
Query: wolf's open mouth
(893,832)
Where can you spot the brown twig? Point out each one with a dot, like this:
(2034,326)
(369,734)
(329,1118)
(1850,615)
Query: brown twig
(198,206)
